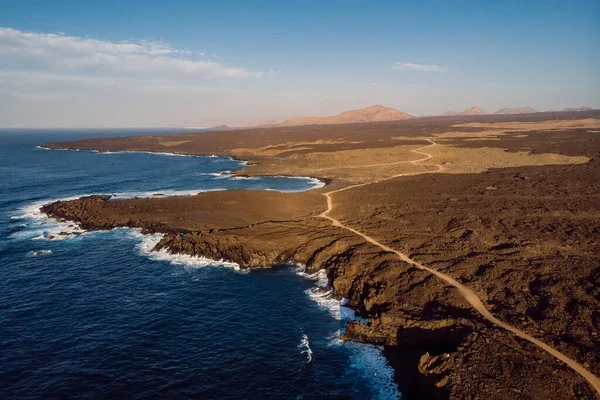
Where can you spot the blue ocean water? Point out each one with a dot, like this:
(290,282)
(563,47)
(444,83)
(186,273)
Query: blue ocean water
(98,315)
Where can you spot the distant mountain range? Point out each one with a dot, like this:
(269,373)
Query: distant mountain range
(522,110)
(374,113)
(471,111)
(379,113)
(578,109)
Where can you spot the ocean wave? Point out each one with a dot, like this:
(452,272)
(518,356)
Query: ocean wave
(47,148)
(313,182)
(146,248)
(42,227)
(366,359)
(216,175)
(163,193)
(316,183)
(304,347)
(323,295)
(39,253)
(245,178)
(145,152)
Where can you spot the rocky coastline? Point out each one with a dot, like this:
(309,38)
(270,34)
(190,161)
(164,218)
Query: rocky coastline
(319,248)
(506,233)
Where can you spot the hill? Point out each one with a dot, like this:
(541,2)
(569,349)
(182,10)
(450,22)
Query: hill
(374,113)
(522,110)
(471,111)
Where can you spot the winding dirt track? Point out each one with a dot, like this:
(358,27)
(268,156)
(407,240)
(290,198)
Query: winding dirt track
(467,293)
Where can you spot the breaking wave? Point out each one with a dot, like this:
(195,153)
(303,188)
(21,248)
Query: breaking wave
(38,253)
(304,347)
(366,359)
(148,243)
(42,227)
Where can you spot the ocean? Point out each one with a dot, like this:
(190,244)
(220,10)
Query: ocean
(98,315)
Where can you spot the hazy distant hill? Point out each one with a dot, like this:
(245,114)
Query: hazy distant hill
(369,114)
(471,111)
(522,110)
(578,109)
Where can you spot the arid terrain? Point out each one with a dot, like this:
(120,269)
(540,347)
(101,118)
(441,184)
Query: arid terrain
(470,244)
(374,113)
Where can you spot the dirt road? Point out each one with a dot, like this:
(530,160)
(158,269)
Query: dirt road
(467,293)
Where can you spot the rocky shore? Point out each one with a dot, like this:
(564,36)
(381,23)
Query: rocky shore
(521,236)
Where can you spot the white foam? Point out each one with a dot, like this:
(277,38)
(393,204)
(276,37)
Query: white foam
(316,183)
(322,294)
(46,228)
(304,347)
(163,193)
(325,301)
(240,162)
(366,360)
(313,182)
(145,152)
(40,253)
(42,227)
(148,242)
(244,178)
(217,175)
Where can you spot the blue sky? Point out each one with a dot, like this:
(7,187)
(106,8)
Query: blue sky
(191,63)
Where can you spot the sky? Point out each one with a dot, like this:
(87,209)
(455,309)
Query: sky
(93,64)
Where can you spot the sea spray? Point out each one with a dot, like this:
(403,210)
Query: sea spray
(42,227)
(366,359)
(39,253)
(148,243)
(304,347)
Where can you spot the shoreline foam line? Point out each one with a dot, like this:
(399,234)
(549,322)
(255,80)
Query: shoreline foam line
(366,358)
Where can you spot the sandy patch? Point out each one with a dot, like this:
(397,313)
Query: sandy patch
(533,126)
(275,150)
(171,144)
(465,160)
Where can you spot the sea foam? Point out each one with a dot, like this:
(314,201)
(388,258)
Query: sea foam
(322,294)
(365,359)
(39,253)
(304,347)
(146,248)
(42,227)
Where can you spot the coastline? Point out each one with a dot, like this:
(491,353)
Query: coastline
(375,362)
(415,329)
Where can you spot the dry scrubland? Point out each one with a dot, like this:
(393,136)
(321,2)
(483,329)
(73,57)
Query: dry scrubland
(508,206)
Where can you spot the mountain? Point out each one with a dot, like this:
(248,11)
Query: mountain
(474,111)
(369,114)
(522,110)
(578,109)
(471,111)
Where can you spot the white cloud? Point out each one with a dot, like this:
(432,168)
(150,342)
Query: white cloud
(59,53)
(418,67)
